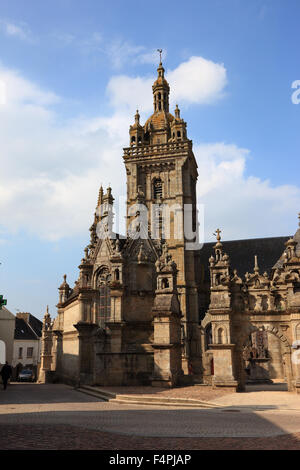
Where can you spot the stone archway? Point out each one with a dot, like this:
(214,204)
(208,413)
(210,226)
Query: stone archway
(262,364)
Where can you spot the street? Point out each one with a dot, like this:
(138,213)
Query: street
(55,416)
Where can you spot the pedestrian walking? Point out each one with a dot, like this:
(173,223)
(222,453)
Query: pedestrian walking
(5,373)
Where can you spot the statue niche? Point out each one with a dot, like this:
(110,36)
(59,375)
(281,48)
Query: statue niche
(257,358)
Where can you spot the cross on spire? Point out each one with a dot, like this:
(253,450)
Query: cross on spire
(160,53)
(217,234)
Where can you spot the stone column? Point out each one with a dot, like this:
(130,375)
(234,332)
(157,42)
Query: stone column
(167,349)
(59,351)
(167,327)
(86,352)
(47,344)
(223,370)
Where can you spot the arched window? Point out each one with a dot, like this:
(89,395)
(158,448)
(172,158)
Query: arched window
(157,188)
(165,283)
(218,279)
(103,281)
(208,336)
(220,336)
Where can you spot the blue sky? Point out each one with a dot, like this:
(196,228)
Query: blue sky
(71,76)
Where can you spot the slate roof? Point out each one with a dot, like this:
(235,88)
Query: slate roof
(28,331)
(36,325)
(242,252)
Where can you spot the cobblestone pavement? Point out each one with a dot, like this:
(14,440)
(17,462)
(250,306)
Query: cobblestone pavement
(34,416)
(44,437)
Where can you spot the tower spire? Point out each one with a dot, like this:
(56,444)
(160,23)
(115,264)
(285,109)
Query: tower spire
(161,89)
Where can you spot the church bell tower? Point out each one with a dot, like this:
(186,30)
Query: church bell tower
(162,174)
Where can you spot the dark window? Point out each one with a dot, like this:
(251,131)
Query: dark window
(157,188)
(29,352)
(103,281)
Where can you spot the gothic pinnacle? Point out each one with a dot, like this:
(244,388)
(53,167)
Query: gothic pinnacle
(256,268)
(100,196)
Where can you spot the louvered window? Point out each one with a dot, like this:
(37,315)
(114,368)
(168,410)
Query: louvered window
(157,189)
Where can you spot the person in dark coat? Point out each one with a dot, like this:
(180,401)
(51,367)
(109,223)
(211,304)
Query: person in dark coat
(5,373)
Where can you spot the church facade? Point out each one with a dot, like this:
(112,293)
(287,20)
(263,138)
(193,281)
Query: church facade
(153,308)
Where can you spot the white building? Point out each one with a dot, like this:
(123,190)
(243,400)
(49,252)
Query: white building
(27,343)
(7,328)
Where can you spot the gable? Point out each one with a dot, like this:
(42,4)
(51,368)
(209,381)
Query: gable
(5,314)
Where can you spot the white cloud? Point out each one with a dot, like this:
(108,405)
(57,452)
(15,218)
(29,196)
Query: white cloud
(17,90)
(21,30)
(128,93)
(242,206)
(50,173)
(120,52)
(196,81)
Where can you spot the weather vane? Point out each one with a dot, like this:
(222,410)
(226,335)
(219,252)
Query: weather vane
(160,52)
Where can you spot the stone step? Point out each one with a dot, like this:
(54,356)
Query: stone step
(99,391)
(163,403)
(170,400)
(104,395)
(89,392)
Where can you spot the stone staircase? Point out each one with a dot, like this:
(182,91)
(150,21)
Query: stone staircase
(105,395)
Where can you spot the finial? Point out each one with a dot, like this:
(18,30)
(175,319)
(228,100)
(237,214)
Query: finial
(100,196)
(160,53)
(137,117)
(217,234)
(177,112)
(299,218)
(65,277)
(256,268)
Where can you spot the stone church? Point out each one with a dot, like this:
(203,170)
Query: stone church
(149,309)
